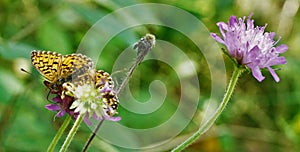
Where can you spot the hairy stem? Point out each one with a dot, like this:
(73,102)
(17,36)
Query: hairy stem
(235,76)
(59,134)
(72,133)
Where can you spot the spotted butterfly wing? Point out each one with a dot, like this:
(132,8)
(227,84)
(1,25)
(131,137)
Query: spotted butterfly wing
(75,64)
(58,69)
(47,64)
(111,103)
(110,99)
(101,78)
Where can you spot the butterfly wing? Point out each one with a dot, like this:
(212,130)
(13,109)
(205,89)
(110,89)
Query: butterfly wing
(101,78)
(110,99)
(111,103)
(76,67)
(47,63)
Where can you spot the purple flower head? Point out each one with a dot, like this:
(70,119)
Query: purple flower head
(251,46)
(84,99)
(62,106)
(95,102)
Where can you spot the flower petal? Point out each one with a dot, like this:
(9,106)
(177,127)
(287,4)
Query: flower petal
(52,107)
(257,74)
(57,99)
(75,104)
(217,38)
(86,120)
(281,48)
(223,25)
(232,21)
(277,61)
(273,73)
(60,113)
(113,118)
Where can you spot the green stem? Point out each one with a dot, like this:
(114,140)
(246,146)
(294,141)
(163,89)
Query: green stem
(59,134)
(72,133)
(235,76)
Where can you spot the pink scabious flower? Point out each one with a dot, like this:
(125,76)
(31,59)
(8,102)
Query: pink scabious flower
(251,46)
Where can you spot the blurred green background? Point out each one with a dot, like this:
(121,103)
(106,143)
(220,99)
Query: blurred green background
(260,117)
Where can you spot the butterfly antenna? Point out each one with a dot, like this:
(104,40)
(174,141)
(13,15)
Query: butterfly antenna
(23,70)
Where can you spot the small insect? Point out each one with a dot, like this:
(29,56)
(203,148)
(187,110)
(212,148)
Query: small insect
(58,69)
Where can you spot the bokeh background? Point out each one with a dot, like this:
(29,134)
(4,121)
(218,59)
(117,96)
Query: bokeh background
(260,117)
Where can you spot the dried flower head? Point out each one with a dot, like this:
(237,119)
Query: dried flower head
(145,44)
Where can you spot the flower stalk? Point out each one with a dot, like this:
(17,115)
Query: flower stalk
(230,88)
(72,132)
(59,134)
